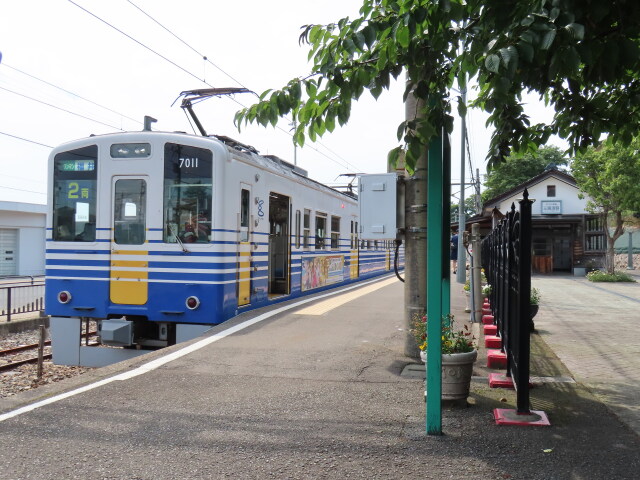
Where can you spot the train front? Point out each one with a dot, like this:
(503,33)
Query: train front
(130,244)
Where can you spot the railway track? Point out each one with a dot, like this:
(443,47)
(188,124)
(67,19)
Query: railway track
(9,362)
(12,358)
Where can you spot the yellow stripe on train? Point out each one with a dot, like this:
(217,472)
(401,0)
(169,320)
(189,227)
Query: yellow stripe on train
(129,287)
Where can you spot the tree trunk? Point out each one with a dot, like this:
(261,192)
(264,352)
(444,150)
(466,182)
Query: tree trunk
(611,239)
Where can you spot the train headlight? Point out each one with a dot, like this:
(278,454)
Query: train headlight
(192,303)
(64,297)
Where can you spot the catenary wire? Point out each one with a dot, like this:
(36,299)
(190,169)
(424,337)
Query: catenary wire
(23,190)
(70,93)
(60,108)
(186,44)
(137,41)
(25,140)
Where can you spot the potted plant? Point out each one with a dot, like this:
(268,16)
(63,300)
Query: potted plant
(458,355)
(486,290)
(534,302)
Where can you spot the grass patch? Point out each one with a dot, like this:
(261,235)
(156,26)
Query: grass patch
(600,276)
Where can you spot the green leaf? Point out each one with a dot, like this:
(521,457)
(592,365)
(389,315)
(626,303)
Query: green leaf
(393,155)
(576,30)
(381,64)
(330,122)
(359,40)
(264,94)
(402,36)
(528,20)
(369,33)
(526,51)
(296,92)
(492,63)
(401,129)
(462,108)
(349,46)
(311,88)
(547,40)
(507,55)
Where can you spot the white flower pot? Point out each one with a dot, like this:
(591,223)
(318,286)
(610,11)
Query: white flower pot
(457,369)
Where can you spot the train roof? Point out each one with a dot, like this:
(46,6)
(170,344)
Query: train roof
(239,150)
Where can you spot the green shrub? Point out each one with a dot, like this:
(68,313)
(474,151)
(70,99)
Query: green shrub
(600,276)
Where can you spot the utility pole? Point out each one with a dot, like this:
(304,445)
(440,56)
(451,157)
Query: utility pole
(415,249)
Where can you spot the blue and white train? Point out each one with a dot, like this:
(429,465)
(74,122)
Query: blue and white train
(158,236)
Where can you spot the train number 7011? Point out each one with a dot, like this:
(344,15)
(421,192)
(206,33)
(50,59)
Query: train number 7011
(189,162)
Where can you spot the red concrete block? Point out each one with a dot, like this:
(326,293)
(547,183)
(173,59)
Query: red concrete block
(490,329)
(492,341)
(506,416)
(496,359)
(500,380)
(486,311)
(487,319)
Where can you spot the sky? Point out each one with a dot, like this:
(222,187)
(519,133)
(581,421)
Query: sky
(72,68)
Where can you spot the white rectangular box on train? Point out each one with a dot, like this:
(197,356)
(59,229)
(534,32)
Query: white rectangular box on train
(377,201)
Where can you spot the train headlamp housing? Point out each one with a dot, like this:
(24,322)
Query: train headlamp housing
(192,303)
(64,297)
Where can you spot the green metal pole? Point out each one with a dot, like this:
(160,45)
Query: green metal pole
(434,288)
(446,224)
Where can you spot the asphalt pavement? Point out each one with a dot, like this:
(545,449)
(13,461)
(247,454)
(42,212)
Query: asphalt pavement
(317,391)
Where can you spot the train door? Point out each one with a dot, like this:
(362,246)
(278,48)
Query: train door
(355,263)
(279,244)
(128,266)
(244,247)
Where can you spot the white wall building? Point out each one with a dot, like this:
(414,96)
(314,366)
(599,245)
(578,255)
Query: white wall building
(22,238)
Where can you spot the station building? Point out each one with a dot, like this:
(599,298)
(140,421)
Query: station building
(22,239)
(565,237)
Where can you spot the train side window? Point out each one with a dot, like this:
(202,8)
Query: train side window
(244,215)
(335,232)
(129,211)
(321,230)
(297,228)
(75,184)
(188,184)
(306,229)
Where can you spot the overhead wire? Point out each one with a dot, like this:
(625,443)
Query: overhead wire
(59,108)
(70,93)
(204,57)
(137,41)
(23,190)
(25,140)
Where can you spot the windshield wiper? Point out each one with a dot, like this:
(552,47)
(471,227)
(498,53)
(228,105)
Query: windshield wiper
(184,249)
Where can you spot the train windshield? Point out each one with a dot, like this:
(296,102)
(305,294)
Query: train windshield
(188,179)
(74,195)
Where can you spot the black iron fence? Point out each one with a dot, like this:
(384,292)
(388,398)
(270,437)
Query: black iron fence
(506,258)
(23,295)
